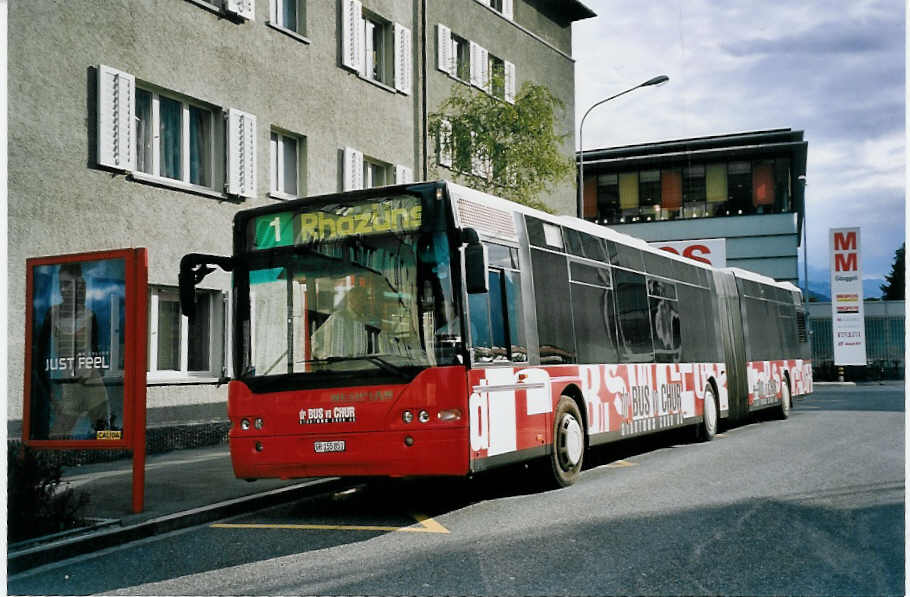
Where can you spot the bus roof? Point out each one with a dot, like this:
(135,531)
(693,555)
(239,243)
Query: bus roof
(460,192)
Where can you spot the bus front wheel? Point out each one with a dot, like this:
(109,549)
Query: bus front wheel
(707,429)
(568,443)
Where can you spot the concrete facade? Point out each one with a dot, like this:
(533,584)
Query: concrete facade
(61,201)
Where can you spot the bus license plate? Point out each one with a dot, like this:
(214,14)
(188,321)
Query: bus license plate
(322,447)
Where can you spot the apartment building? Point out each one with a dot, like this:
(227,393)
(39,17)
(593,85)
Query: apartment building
(149,123)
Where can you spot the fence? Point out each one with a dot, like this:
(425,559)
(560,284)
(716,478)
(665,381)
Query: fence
(884,342)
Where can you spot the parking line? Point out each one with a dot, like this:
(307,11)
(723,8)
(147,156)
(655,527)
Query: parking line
(425,524)
(621,464)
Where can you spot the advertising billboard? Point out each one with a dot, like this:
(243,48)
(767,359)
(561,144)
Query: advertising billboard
(712,251)
(82,370)
(848,325)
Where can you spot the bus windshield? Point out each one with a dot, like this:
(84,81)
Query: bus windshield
(380,300)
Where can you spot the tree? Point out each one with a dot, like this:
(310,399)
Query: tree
(506,149)
(893,288)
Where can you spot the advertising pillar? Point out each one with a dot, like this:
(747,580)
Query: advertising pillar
(847,320)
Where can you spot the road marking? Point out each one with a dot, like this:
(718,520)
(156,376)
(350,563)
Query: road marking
(425,524)
(621,464)
(720,435)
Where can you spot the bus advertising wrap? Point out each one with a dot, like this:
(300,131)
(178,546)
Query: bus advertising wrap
(848,327)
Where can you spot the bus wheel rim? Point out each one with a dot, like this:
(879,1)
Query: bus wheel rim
(572,441)
(710,413)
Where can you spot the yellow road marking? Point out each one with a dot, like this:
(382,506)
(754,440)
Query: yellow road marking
(621,464)
(424,524)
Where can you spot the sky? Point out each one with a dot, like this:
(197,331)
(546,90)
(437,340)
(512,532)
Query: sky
(833,69)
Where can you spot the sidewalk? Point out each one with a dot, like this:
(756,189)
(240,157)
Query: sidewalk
(182,488)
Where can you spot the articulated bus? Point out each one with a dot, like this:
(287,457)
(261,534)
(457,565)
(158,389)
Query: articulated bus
(430,329)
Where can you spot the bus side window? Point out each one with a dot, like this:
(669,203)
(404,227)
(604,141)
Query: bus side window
(481,336)
(633,317)
(519,346)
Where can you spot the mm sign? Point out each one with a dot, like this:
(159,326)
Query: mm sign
(712,251)
(848,324)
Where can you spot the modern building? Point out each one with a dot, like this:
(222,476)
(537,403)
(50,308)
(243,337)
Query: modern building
(744,188)
(149,123)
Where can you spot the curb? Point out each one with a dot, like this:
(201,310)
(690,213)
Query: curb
(33,557)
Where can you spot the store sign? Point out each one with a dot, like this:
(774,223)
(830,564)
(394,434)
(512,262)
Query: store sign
(848,324)
(712,251)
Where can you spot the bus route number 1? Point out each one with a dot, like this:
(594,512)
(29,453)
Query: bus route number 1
(274,231)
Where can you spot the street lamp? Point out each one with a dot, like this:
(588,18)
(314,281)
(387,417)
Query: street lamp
(581,147)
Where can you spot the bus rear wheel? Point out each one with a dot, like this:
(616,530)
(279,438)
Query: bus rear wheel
(707,429)
(568,443)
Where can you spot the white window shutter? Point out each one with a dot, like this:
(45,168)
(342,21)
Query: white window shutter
(510,81)
(353,169)
(241,150)
(402,59)
(352,34)
(475,64)
(116,112)
(445,143)
(403,174)
(507,9)
(444,49)
(274,12)
(242,8)
(484,57)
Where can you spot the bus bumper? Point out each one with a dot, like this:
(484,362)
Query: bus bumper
(381,453)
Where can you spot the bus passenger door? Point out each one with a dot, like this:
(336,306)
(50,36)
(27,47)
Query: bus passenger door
(505,413)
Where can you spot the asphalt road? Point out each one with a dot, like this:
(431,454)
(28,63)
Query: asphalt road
(809,506)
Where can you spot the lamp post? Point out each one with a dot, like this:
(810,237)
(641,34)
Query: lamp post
(802,179)
(659,80)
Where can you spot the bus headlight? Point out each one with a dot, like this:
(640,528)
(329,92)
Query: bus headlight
(407,416)
(245,424)
(423,416)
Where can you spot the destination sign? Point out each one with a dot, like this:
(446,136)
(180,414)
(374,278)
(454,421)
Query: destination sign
(395,215)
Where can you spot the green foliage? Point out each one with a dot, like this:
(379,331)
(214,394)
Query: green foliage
(509,150)
(36,504)
(893,288)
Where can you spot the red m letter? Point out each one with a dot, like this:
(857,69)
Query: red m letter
(845,262)
(844,242)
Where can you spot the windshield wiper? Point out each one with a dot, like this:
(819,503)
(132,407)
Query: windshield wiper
(378,360)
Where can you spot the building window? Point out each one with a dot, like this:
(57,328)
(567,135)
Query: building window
(608,210)
(497,77)
(461,53)
(181,346)
(376,173)
(378,38)
(288,14)
(739,188)
(694,192)
(174,138)
(649,194)
(375,48)
(287,165)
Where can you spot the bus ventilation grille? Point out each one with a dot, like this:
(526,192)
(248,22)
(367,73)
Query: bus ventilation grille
(485,219)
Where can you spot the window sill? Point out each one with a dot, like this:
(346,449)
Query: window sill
(176,184)
(177,379)
(288,32)
(206,5)
(282,196)
(379,84)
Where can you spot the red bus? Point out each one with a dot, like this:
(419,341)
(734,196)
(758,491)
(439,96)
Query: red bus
(429,329)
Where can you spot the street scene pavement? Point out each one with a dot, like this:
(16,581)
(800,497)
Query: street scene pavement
(813,505)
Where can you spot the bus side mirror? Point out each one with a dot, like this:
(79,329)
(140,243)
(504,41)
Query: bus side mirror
(475,263)
(193,268)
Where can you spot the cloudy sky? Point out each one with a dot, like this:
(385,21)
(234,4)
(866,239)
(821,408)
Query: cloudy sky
(834,69)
